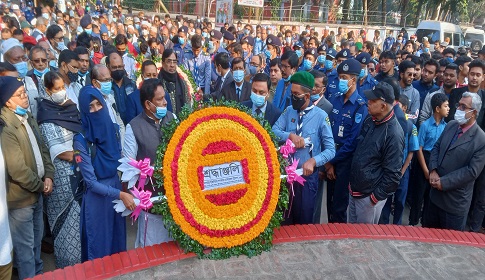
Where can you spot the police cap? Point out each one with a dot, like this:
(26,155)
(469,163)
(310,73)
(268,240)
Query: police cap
(349,66)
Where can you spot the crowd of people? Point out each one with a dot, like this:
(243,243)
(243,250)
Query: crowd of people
(382,122)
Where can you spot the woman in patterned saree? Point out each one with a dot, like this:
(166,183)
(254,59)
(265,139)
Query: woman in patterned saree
(59,120)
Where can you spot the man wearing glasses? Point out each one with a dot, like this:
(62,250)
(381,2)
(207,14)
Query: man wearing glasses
(34,84)
(55,38)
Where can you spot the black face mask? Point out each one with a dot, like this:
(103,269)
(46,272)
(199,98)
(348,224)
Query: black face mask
(297,103)
(122,53)
(118,75)
(72,76)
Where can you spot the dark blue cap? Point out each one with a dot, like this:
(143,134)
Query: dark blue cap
(248,39)
(228,36)
(322,48)
(344,53)
(349,66)
(216,34)
(273,40)
(363,57)
(331,52)
(298,44)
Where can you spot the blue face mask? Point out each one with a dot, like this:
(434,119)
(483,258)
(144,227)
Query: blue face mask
(89,31)
(343,86)
(224,45)
(137,26)
(252,70)
(82,74)
(41,73)
(267,53)
(20,111)
(307,65)
(321,59)
(105,87)
(246,32)
(426,50)
(298,53)
(21,68)
(205,35)
(328,64)
(258,100)
(450,59)
(362,73)
(181,41)
(53,63)
(238,75)
(211,45)
(314,97)
(287,79)
(160,112)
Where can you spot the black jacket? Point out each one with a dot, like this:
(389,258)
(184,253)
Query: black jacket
(378,159)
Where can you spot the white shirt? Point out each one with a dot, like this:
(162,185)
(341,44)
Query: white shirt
(72,92)
(115,116)
(6,246)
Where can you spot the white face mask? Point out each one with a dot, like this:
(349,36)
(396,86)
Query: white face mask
(460,116)
(59,97)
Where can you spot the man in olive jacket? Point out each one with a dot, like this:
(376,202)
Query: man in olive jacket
(30,175)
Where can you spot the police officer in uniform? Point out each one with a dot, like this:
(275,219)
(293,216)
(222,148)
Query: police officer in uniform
(199,63)
(214,47)
(332,88)
(272,51)
(181,46)
(348,114)
(366,81)
(303,120)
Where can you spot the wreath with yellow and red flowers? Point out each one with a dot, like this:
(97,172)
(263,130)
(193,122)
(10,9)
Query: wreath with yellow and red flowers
(221,172)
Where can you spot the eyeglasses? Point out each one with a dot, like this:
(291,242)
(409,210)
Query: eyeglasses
(171,61)
(40,60)
(283,66)
(120,67)
(462,107)
(371,69)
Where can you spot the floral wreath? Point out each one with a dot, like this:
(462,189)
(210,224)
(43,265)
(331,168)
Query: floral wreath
(217,140)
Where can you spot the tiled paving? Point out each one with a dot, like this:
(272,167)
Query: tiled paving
(330,251)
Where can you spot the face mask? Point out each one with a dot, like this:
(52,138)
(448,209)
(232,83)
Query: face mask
(258,100)
(288,40)
(122,53)
(59,97)
(211,45)
(41,73)
(171,36)
(181,41)
(328,64)
(287,79)
(307,65)
(267,53)
(245,54)
(83,74)
(297,103)
(314,97)
(460,116)
(399,41)
(61,46)
(20,111)
(53,63)
(238,75)
(144,32)
(117,75)
(91,54)
(343,86)
(246,32)
(21,68)
(105,87)
(321,59)
(362,73)
(224,45)
(160,112)
(45,15)
(72,76)
(205,35)
(252,70)
(450,59)
(258,39)
(89,31)
(426,50)
(137,26)
(298,53)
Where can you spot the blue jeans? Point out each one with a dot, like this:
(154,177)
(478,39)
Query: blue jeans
(399,202)
(27,227)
